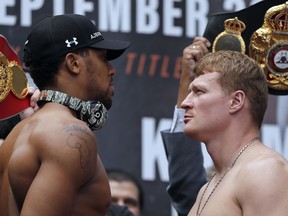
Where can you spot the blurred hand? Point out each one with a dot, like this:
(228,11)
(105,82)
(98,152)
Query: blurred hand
(33,105)
(191,54)
(194,52)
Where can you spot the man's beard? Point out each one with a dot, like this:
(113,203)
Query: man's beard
(105,99)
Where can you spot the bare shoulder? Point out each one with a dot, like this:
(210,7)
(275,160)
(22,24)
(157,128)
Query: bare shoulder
(262,182)
(266,162)
(58,143)
(70,139)
(59,132)
(55,158)
(265,166)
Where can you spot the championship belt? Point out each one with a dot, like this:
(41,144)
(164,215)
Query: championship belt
(13,82)
(269,47)
(231,38)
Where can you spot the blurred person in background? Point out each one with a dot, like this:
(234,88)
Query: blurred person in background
(126,190)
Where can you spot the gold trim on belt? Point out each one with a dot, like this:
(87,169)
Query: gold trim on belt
(269,46)
(230,38)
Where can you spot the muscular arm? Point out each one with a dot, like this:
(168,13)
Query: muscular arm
(46,175)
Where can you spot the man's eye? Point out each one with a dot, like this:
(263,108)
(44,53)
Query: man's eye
(131,202)
(198,91)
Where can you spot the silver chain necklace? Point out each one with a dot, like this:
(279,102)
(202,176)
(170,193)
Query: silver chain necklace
(198,213)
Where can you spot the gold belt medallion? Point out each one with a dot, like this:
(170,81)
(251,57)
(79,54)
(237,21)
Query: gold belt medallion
(231,38)
(269,47)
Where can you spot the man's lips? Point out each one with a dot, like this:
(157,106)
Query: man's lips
(187,118)
(111,82)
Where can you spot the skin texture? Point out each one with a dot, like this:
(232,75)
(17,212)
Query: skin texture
(51,157)
(257,183)
(125,193)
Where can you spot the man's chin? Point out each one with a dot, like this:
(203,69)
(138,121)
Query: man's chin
(107,104)
(112,91)
(190,133)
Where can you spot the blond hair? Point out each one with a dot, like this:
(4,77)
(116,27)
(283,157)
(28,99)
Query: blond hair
(238,72)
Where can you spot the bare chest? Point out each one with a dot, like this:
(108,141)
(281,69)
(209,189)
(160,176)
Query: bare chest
(216,201)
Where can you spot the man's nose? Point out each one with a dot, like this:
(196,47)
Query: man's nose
(120,202)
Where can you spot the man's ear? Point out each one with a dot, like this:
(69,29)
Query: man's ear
(237,101)
(73,62)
